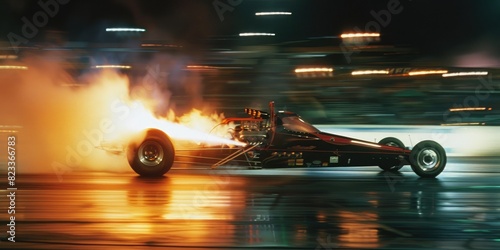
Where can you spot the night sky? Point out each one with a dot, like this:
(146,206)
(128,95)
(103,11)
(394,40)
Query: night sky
(434,26)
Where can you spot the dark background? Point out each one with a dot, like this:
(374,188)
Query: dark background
(434,26)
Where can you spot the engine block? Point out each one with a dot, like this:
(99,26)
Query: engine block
(252,132)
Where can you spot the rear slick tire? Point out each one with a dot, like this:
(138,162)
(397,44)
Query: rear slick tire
(154,156)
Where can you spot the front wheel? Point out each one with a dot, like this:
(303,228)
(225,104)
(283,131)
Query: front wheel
(154,156)
(428,159)
(394,142)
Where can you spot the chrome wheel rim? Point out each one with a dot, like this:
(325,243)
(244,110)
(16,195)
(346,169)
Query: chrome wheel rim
(428,159)
(150,153)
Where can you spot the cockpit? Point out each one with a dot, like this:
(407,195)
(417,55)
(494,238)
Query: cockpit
(295,123)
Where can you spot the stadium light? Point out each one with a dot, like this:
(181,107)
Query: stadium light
(274,13)
(476,73)
(427,72)
(360,38)
(470,109)
(125,30)
(370,72)
(313,70)
(112,67)
(13,67)
(257,34)
(359,35)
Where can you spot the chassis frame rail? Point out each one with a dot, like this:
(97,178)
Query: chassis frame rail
(233,156)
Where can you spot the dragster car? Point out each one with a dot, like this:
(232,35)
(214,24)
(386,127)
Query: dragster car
(282,139)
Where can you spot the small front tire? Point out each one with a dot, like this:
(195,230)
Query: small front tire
(154,156)
(428,159)
(394,142)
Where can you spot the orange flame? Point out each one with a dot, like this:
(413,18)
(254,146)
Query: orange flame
(192,127)
(133,115)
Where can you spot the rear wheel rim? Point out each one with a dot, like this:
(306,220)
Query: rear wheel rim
(428,159)
(151,153)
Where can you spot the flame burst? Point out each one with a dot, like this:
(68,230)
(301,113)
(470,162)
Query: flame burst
(134,115)
(193,126)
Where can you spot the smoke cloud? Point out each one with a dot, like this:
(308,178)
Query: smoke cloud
(63,121)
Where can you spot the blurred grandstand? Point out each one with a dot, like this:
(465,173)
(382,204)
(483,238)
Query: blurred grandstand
(326,80)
